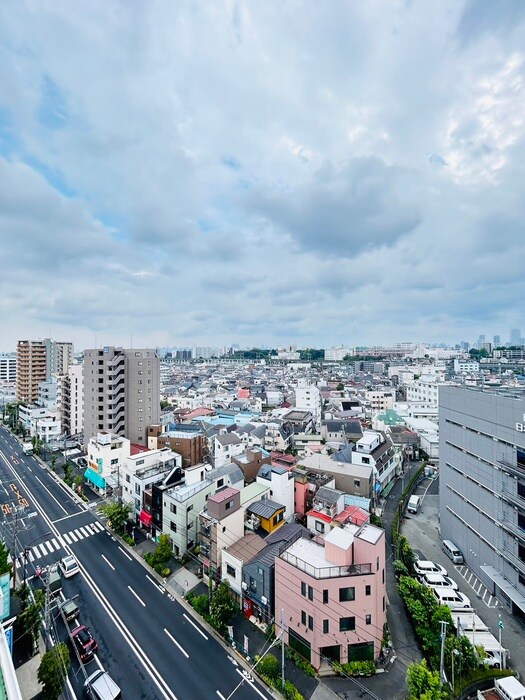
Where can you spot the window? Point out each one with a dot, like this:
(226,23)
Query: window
(173,508)
(127,478)
(173,526)
(346,624)
(303,617)
(368,619)
(137,489)
(310,622)
(326,626)
(191,508)
(368,590)
(229,505)
(346,594)
(303,588)
(310,593)
(366,460)
(220,483)
(253,584)
(357,483)
(319,527)
(190,525)
(325,596)
(383,575)
(230,570)
(377,564)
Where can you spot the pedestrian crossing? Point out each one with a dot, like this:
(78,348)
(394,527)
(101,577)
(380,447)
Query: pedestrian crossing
(39,551)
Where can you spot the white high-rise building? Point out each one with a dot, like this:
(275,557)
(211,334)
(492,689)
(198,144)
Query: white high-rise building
(308,398)
(8,368)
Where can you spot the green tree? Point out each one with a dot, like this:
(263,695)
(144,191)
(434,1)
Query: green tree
(340,387)
(405,552)
(223,607)
(32,616)
(78,482)
(54,460)
(117,514)
(53,671)
(424,684)
(164,404)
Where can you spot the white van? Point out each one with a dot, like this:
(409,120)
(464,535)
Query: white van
(452,552)
(414,503)
(100,686)
(455,600)
(510,688)
(422,567)
(438,581)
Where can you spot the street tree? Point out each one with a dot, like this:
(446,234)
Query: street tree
(32,616)
(117,514)
(223,607)
(424,684)
(53,671)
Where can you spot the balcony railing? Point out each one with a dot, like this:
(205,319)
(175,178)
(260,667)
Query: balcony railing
(327,571)
(513,498)
(512,527)
(511,557)
(511,467)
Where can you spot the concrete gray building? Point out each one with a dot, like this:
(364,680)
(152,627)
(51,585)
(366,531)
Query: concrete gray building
(482,485)
(121,392)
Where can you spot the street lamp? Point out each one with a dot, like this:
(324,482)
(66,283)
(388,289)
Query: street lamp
(455,652)
(28,547)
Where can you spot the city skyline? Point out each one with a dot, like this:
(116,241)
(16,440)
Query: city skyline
(236,173)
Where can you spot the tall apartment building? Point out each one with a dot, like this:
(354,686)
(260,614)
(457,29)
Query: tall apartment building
(38,361)
(30,369)
(121,392)
(482,485)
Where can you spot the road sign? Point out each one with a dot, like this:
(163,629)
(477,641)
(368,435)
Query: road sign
(501,625)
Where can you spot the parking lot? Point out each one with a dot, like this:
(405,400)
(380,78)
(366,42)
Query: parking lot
(422,531)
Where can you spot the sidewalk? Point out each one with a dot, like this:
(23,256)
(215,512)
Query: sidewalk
(26,673)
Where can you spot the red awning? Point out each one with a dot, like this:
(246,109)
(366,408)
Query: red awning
(145,518)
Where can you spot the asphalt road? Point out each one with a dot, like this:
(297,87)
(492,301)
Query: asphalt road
(148,641)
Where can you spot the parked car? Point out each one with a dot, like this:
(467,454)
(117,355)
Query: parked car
(68,566)
(82,462)
(100,686)
(455,600)
(84,642)
(422,567)
(70,610)
(439,581)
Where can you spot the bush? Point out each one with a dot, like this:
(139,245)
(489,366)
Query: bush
(359,668)
(300,662)
(399,568)
(291,692)
(269,666)
(200,603)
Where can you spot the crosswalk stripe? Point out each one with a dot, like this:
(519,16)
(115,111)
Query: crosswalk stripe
(98,526)
(73,536)
(85,531)
(67,538)
(31,556)
(37,551)
(92,529)
(49,547)
(55,544)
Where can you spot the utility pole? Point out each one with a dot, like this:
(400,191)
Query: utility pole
(500,627)
(442,657)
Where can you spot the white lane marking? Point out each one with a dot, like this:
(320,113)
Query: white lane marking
(154,583)
(30,469)
(192,623)
(67,538)
(220,695)
(177,644)
(124,553)
(73,536)
(247,678)
(108,562)
(73,515)
(49,492)
(137,597)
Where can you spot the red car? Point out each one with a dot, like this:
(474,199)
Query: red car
(84,642)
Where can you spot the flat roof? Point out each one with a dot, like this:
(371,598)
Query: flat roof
(309,551)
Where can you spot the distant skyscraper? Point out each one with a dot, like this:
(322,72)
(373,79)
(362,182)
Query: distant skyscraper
(497,341)
(121,392)
(515,336)
(481,340)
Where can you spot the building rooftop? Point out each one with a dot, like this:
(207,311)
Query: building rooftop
(252,491)
(247,547)
(265,508)
(223,495)
(370,533)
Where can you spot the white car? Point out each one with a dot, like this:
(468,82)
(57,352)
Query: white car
(428,567)
(439,581)
(68,566)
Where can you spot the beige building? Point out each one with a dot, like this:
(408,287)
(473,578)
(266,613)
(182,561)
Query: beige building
(121,392)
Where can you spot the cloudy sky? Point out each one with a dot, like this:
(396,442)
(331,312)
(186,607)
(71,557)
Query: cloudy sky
(276,172)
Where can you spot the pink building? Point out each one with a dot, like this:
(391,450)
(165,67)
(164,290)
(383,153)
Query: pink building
(332,594)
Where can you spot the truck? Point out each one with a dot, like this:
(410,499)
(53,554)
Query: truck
(497,656)
(508,688)
(27,448)
(414,503)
